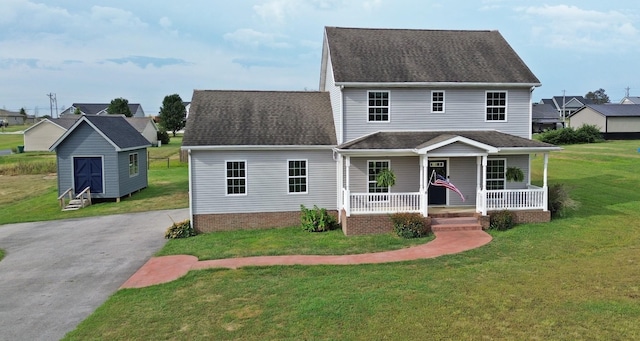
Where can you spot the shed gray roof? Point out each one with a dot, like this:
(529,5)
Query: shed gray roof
(114,128)
(614,110)
(408,140)
(365,55)
(66,121)
(254,118)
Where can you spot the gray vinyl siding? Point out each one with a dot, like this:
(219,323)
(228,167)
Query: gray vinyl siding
(522,162)
(266,184)
(129,184)
(463,174)
(457,148)
(406,169)
(335,94)
(410,110)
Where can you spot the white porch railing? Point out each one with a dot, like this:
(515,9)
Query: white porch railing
(359,203)
(532,198)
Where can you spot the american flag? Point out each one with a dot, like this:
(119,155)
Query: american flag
(441,181)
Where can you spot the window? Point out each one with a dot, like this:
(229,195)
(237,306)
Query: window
(375,167)
(236,177)
(133,164)
(495,174)
(437,101)
(297,176)
(496,106)
(378,106)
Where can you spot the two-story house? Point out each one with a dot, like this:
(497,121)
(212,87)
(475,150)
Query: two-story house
(422,103)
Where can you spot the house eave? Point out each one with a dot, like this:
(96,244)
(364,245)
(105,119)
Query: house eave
(527,150)
(434,84)
(376,152)
(259,147)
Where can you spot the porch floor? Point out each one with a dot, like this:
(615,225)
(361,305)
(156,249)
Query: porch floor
(452,210)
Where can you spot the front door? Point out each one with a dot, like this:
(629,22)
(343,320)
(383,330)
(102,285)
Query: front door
(87,172)
(437,194)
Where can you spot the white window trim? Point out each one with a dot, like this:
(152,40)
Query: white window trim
(246,181)
(388,107)
(137,165)
(306,176)
(506,105)
(368,181)
(504,171)
(443,102)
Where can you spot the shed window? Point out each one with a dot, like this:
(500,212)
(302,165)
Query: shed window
(133,164)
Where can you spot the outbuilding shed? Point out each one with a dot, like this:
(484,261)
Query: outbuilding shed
(615,121)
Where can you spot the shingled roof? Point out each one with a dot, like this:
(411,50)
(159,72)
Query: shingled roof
(115,128)
(259,118)
(614,110)
(360,55)
(409,140)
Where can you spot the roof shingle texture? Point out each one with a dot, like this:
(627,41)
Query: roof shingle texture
(419,139)
(118,130)
(615,110)
(253,118)
(402,55)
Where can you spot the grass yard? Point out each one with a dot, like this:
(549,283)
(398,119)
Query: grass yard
(32,195)
(576,278)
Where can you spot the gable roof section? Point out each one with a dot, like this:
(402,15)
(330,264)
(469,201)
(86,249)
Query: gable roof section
(544,113)
(114,128)
(417,141)
(630,100)
(361,55)
(613,110)
(100,108)
(141,123)
(62,122)
(259,118)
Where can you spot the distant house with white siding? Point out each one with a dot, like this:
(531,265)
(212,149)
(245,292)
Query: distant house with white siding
(40,136)
(99,109)
(421,103)
(615,121)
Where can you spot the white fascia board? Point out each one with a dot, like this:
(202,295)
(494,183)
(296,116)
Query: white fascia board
(524,150)
(435,84)
(259,147)
(376,152)
(473,143)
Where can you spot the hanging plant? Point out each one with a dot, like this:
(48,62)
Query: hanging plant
(386,178)
(514,174)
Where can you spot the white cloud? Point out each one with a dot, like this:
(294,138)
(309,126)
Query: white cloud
(254,39)
(571,27)
(115,18)
(371,5)
(165,22)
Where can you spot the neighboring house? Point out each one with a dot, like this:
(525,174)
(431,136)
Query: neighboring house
(104,153)
(11,117)
(615,121)
(418,102)
(99,109)
(40,136)
(147,127)
(630,100)
(544,117)
(568,104)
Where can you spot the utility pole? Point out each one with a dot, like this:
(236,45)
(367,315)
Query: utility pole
(53,101)
(626,92)
(563,105)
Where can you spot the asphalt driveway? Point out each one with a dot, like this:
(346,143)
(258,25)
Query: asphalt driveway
(56,273)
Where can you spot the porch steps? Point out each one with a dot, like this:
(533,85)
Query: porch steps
(460,223)
(76,204)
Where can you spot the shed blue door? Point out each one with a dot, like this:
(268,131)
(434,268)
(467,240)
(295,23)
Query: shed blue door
(437,194)
(87,172)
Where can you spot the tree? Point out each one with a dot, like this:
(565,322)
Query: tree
(23,112)
(172,113)
(119,106)
(598,96)
(77,112)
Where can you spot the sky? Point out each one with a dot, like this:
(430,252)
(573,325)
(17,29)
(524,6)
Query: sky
(94,51)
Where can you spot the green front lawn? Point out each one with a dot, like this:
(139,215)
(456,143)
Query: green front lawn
(575,278)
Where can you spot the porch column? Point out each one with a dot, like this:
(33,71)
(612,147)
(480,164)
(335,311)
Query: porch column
(424,191)
(478,183)
(347,192)
(544,183)
(484,185)
(340,184)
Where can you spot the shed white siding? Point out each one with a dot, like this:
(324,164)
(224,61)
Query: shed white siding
(623,124)
(41,136)
(588,116)
(267,181)
(410,110)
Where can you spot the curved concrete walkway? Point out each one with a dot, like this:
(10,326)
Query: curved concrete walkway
(168,268)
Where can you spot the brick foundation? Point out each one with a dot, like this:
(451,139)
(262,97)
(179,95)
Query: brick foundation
(357,225)
(524,217)
(204,223)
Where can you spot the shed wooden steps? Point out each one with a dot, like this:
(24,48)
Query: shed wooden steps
(76,204)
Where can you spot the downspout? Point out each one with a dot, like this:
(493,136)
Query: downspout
(190,190)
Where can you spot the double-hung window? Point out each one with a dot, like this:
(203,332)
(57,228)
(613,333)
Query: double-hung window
(437,101)
(133,164)
(236,177)
(496,174)
(374,168)
(297,176)
(496,105)
(378,106)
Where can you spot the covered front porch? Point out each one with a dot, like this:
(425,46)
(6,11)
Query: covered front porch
(475,167)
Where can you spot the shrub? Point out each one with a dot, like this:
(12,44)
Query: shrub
(588,134)
(180,230)
(316,219)
(560,201)
(585,134)
(163,137)
(502,220)
(409,225)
